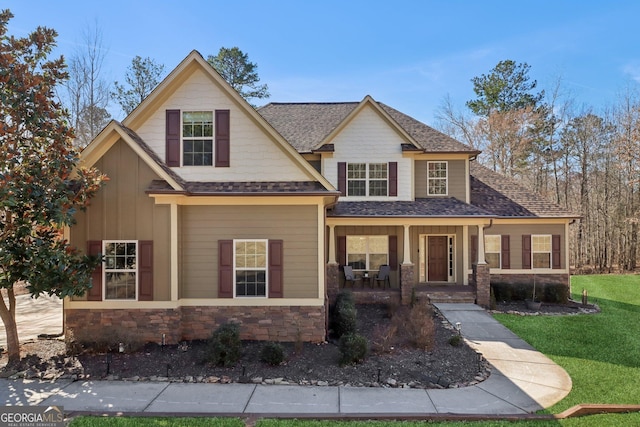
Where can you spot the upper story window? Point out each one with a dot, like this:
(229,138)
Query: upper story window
(541,248)
(120,269)
(197,138)
(367,179)
(437,178)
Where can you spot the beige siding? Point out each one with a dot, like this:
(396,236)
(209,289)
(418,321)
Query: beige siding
(457,179)
(203,226)
(122,211)
(516,231)
(253,153)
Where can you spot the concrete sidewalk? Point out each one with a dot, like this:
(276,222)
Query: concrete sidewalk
(523,381)
(35,316)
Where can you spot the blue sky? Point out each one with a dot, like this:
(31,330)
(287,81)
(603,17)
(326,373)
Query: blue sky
(408,54)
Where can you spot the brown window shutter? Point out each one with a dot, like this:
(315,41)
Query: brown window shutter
(393,179)
(342,250)
(145,270)
(342,178)
(555,251)
(94,248)
(225,269)
(276,261)
(223,138)
(173,138)
(506,252)
(474,249)
(393,252)
(526,251)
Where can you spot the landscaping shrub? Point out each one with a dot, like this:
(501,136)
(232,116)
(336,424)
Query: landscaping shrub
(384,336)
(343,317)
(546,292)
(455,340)
(421,325)
(272,353)
(225,347)
(353,348)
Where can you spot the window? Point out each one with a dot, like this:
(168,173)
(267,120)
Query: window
(120,269)
(367,179)
(197,138)
(250,266)
(367,252)
(437,178)
(492,250)
(541,251)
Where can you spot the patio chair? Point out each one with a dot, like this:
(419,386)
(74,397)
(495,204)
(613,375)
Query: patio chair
(383,276)
(349,276)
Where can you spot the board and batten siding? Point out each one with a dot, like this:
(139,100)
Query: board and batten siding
(456,176)
(370,139)
(201,227)
(252,152)
(121,210)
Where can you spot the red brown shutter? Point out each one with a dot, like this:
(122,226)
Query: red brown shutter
(342,250)
(223,138)
(276,261)
(393,252)
(393,178)
(173,138)
(145,270)
(506,252)
(555,251)
(225,269)
(94,248)
(342,178)
(474,249)
(526,251)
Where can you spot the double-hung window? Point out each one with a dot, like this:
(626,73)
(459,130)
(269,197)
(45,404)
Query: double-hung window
(120,269)
(437,178)
(367,179)
(493,250)
(250,266)
(367,253)
(541,248)
(197,138)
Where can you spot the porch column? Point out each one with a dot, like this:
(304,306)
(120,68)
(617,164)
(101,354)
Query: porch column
(481,259)
(332,245)
(407,247)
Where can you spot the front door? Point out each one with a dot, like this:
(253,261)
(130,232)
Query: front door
(438,249)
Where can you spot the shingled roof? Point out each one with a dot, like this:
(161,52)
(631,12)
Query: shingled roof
(433,207)
(306,125)
(504,197)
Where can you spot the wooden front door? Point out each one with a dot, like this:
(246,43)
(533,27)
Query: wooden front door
(437,261)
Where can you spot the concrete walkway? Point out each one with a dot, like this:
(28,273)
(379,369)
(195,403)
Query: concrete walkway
(523,381)
(35,316)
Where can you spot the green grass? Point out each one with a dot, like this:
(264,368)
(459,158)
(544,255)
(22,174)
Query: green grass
(600,352)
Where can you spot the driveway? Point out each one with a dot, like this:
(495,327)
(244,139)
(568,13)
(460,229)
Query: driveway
(35,317)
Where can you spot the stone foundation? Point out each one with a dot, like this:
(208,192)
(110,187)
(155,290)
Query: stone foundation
(407,282)
(282,323)
(333,281)
(482,284)
(523,279)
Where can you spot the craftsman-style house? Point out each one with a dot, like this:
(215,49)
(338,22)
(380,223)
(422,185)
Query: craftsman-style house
(216,211)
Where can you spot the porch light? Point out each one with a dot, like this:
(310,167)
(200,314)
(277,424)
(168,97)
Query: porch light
(121,347)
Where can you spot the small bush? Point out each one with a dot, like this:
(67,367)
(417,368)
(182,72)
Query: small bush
(79,341)
(421,325)
(455,340)
(353,348)
(383,337)
(272,353)
(343,318)
(225,347)
(546,292)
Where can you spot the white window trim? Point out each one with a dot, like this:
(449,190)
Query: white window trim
(367,179)
(446,178)
(550,252)
(182,137)
(116,270)
(266,269)
(499,252)
(368,252)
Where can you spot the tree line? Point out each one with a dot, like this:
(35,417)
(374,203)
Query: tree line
(586,161)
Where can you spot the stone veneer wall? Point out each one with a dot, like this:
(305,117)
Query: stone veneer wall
(407,282)
(282,323)
(555,279)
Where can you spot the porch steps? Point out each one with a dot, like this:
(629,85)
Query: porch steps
(447,294)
